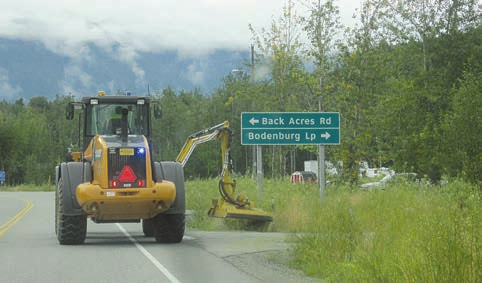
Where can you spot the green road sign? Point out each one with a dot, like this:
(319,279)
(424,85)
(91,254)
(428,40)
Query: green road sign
(268,128)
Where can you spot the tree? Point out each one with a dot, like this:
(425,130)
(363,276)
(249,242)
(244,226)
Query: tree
(403,67)
(279,51)
(464,131)
(39,104)
(7,139)
(361,80)
(322,27)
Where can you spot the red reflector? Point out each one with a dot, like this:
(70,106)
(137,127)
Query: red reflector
(114,184)
(127,175)
(140,183)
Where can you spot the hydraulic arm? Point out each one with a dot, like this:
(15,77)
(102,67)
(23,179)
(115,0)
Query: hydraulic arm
(230,204)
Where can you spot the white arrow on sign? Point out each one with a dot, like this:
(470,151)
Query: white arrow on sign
(253,121)
(326,135)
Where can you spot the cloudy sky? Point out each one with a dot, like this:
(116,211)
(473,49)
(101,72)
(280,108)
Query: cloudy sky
(187,26)
(125,28)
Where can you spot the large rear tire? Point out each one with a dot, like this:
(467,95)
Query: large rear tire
(70,230)
(148,227)
(169,228)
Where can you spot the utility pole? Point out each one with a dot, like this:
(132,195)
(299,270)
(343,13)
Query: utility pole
(257,151)
(321,170)
(321,161)
(254,109)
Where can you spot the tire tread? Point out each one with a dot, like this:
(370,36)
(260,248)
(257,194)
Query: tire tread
(70,229)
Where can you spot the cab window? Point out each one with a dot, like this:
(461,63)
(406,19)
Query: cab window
(105,119)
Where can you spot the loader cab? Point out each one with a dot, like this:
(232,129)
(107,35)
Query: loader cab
(102,116)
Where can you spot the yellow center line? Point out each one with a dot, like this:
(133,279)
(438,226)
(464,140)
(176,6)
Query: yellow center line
(4,227)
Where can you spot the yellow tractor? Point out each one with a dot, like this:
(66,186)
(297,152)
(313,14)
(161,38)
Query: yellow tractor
(115,179)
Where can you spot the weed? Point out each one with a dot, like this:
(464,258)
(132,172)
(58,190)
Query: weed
(29,188)
(404,233)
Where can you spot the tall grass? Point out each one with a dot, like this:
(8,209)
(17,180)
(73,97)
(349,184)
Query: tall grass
(28,188)
(402,234)
(405,233)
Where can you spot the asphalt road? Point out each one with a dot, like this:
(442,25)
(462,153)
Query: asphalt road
(29,251)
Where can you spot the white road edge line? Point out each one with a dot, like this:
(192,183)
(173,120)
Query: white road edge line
(149,256)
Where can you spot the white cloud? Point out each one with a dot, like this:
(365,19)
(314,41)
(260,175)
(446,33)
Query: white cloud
(128,55)
(75,79)
(191,27)
(262,71)
(195,73)
(7,90)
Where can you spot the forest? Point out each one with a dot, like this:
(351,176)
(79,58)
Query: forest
(406,80)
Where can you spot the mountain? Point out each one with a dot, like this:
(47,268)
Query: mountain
(28,69)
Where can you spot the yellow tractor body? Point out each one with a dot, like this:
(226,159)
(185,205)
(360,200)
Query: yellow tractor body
(114,179)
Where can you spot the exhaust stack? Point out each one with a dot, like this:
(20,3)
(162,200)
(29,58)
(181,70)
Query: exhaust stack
(124,132)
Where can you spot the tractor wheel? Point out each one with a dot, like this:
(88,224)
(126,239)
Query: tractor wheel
(70,230)
(169,228)
(148,227)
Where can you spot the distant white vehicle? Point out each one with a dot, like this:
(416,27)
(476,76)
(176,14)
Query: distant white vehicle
(330,169)
(378,184)
(390,177)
